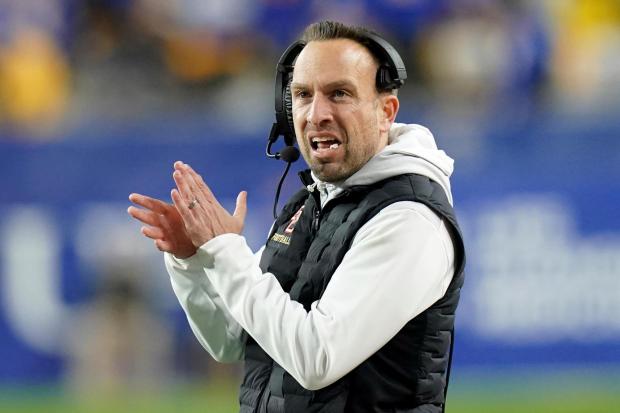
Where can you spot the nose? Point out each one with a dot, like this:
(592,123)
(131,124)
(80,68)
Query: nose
(320,111)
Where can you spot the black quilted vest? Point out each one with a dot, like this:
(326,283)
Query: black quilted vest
(408,374)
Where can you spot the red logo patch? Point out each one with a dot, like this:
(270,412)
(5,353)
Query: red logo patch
(291,225)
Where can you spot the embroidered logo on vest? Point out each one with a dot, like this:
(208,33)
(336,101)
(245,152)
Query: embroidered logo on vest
(286,237)
(291,225)
(282,239)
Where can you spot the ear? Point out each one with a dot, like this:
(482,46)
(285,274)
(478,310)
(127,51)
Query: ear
(389,105)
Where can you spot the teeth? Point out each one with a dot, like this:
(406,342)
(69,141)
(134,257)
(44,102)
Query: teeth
(315,140)
(325,142)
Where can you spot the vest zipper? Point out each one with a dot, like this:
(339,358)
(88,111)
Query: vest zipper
(316,220)
(317,212)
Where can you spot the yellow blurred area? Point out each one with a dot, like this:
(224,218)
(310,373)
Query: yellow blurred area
(587,43)
(193,57)
(34,81)
(585,15)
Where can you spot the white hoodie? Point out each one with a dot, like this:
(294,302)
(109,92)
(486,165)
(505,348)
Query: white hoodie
(399,264)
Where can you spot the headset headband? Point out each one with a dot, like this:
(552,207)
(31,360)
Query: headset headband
(388,58)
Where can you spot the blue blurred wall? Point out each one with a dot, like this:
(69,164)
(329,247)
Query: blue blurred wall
(539,205)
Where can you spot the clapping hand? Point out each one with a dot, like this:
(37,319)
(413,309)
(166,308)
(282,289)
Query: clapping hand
(195,217)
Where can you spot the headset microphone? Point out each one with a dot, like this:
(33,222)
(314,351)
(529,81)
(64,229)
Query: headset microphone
(288,154)
(283,126)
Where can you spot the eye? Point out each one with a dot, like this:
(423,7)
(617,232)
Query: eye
(301,94)
(339,93)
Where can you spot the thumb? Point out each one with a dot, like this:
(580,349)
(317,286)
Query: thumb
(241,208)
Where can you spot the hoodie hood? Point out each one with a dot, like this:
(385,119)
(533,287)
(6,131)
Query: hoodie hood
(410,149)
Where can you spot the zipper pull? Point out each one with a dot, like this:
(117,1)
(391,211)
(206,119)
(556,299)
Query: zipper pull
(315,220)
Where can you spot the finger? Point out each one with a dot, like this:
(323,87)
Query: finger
(181,206)
(195,185)
(152,232)
(190,191)
(149,203)
(143,215)
(241,207)
(163,246)
(183,187)
(199,183)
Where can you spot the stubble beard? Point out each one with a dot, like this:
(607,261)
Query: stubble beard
(337,172)
(330,172)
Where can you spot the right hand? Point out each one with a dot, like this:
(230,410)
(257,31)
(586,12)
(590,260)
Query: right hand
(164,225)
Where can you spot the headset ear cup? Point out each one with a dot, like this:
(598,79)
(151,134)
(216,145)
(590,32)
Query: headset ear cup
(384,79)
(288,107)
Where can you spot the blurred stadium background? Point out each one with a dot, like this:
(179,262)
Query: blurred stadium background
(99,97)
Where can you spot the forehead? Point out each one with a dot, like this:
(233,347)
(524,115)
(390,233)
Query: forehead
(329,60)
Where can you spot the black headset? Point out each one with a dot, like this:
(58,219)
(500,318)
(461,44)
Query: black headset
(390,75)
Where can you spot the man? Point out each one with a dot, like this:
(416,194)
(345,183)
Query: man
(350,305)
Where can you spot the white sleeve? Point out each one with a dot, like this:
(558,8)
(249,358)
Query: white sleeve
(212,324)
(399,264)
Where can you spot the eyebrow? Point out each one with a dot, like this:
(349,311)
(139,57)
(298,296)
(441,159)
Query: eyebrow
(331,85)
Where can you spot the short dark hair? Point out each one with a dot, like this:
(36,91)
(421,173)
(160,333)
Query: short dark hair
(332,30)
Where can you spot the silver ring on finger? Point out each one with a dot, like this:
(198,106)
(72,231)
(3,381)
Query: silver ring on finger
(193,204)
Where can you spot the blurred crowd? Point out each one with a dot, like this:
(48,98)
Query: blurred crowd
(67,62)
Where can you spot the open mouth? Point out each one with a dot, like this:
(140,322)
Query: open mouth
(323,143)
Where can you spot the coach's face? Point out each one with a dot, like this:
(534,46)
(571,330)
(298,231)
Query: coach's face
(341,121)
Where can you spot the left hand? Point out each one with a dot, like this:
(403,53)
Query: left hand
(206,219)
